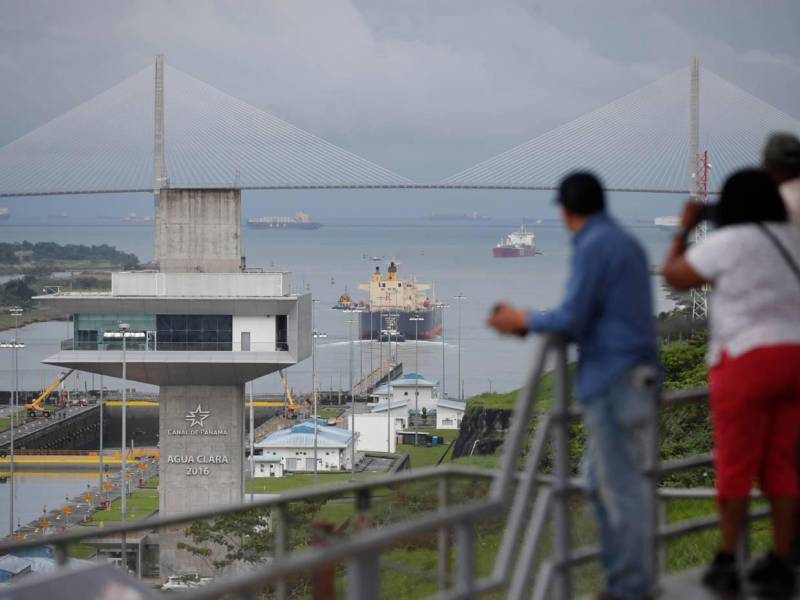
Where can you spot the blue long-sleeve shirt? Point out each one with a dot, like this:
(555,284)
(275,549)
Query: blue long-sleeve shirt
(607,308)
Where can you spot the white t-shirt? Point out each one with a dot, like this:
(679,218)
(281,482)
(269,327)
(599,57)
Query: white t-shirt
(755,300)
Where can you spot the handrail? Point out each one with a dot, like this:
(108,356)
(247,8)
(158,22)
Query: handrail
(524,526)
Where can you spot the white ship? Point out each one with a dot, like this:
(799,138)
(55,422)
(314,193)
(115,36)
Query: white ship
(666,223)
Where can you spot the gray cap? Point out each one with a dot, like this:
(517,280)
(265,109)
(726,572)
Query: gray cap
(782,151)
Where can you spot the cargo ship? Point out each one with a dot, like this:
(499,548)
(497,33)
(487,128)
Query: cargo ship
(394,306)
(300,220)
(515,244)
(473,216)
(666,223)
(134,219)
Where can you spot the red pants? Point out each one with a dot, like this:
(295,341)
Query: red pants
(755,404)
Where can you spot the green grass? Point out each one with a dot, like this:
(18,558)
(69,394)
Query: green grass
(293,481)
(329,412)
(152,483)
(141,504)
(82,551)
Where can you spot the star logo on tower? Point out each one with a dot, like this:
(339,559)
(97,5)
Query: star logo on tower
(197,416)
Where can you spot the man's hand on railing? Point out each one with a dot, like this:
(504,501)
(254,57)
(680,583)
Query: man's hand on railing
(508,320)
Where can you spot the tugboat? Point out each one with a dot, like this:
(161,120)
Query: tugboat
(398,309)
(345,302)
(516,244)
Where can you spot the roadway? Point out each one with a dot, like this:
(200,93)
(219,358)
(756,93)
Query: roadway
(40,423)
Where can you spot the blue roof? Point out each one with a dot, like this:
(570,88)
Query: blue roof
(383,406)
(302,435)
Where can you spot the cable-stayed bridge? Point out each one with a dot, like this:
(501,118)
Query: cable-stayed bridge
(640,142)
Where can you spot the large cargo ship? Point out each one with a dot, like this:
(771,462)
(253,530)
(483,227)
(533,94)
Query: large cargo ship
(515,244)
(473,216)
(394,306)
(300,220)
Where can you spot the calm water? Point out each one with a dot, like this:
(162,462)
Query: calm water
(32,493)
(453,259)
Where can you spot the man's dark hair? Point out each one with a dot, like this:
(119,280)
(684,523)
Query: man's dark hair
(781,157)
(581,193)
(749,196)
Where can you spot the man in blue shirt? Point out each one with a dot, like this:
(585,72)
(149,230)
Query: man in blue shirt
(608,311)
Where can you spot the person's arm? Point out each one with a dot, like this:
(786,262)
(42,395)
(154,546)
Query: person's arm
(580,299)
(678,273)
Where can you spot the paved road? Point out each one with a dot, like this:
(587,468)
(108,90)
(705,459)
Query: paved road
(40,423)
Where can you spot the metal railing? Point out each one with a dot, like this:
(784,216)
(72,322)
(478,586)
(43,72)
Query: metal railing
(527,499)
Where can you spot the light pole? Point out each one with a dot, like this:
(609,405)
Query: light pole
(16,311)
(416,318)
(442,306)
(252,446)
(460,297)
(350,322)
(314,303)
(100,454)
(124,328)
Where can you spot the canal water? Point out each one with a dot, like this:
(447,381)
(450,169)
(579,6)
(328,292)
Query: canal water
(328,261)
(35,493)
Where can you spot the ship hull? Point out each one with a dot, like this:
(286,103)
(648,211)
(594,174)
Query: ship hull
(372,322)
(311,225)
(511,252)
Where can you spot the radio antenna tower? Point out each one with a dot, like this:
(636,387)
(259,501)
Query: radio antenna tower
(698,172)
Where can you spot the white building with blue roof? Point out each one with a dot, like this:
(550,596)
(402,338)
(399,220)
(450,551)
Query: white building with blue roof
(294,448)
(401,400)
(406,388)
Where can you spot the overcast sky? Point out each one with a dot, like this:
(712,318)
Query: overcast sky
(423,87)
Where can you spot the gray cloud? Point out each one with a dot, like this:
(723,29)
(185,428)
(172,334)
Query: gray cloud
(423,87)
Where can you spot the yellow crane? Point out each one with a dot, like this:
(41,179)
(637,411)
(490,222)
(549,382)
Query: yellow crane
(35,408)
(290,405)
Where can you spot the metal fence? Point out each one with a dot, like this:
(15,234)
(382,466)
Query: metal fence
(526,497)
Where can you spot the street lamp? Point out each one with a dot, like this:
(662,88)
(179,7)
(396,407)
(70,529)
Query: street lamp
(314,303)
(16,311)
(460,297)
(352,395)
(416,319)
(442,306)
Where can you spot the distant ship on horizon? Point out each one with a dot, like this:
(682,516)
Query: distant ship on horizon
(5,214)
(134,219)
(300,220)
(516,244)
(666,223)
(472,216)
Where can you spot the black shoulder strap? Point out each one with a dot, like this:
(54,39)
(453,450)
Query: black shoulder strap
(782,249)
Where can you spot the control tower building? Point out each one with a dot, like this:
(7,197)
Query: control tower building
(200,328)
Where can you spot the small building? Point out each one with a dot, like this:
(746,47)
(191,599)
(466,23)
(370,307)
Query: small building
(399,412)
(294,447)
(12,567)
(449,413)
(405,388)
(267,465)
(376,433)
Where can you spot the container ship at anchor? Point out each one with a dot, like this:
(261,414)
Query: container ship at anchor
(516,244)
(393,302)
(300,220)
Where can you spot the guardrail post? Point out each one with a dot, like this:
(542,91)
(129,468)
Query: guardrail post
(656,510)
(364,577)
(561,460)
(465,558)
(662,518)
(281,547)
(443,565)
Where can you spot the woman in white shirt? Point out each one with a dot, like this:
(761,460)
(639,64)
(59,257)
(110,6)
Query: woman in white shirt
(751,260)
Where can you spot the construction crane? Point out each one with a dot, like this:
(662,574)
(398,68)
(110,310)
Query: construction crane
(35,408)
(289,404)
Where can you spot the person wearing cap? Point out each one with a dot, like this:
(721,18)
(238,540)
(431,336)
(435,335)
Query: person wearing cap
(608,311)
(781,161)
(752,261)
